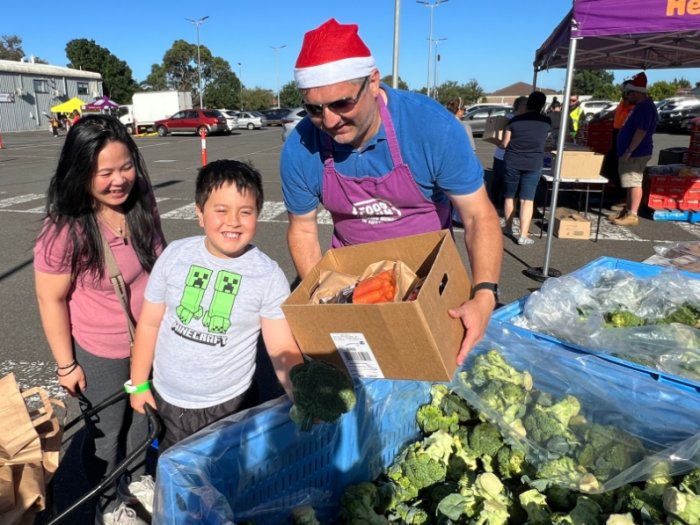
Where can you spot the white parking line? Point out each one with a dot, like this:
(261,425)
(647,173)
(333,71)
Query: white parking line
(20,199)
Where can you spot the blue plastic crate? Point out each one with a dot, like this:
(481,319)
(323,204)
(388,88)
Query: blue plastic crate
(257,465)
(507,313)
(677,215)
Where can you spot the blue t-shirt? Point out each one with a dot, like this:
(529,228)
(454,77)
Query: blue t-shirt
(643,116)
(432,142)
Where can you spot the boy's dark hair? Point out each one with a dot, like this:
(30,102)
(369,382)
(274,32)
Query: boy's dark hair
(536,101)
(215,174)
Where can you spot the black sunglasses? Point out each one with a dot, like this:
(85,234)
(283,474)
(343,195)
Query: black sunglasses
(339,107)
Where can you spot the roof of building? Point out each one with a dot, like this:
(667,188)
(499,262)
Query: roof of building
(12,66)
(520,88)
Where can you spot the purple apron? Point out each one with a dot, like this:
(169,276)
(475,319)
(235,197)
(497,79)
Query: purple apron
(367,209)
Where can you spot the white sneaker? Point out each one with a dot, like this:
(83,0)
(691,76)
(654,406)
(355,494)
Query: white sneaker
(122,515)
(138,492)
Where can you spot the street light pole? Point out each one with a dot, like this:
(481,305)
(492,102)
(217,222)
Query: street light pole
(198,23)
(277,72)
(437,62)
(240,79)
(431,6)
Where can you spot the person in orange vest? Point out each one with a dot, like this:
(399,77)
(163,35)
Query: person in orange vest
(610,163)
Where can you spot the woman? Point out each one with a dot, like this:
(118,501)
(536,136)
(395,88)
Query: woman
(523,140)
(457,109)
(100,189)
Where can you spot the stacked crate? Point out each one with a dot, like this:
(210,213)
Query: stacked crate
(599,135)
(674,192)
(694,147)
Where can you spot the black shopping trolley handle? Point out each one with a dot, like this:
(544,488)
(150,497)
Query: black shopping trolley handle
(154,426)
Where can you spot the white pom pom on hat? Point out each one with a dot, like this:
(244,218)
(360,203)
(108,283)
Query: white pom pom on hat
(332,53)
(637,83)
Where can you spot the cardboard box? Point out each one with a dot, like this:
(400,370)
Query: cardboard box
(578,164)
(569,224)
(402,340)
(493,132)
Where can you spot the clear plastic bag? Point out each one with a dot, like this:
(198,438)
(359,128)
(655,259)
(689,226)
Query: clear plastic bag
(663,418)
(577,309)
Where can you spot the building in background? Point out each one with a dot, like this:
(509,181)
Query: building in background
(28,91)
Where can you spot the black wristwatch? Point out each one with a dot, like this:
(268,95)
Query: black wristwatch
(487,286)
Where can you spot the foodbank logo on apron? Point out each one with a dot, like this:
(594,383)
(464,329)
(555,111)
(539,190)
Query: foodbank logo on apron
(376,211)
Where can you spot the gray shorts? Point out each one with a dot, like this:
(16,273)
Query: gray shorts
(179,423)
(632,171)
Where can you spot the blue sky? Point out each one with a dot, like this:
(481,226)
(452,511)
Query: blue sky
(492,41)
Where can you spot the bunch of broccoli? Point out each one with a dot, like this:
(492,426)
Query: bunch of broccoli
(322,392)
(468,470)
(687,313)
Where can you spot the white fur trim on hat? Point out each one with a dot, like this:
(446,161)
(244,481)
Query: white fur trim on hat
(334,72)
(638,89)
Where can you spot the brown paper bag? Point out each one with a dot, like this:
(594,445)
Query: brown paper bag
(404,276)
(25,472)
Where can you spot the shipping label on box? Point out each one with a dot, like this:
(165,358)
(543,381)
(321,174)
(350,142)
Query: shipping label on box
(493,131)
(580,164)
(415,340)
(568,224)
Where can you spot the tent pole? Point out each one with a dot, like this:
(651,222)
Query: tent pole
(543,273)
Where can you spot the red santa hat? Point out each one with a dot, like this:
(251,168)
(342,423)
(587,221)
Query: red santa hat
(637,83)
(332,53)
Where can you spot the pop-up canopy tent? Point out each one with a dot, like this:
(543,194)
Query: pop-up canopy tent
(68,106)
(616,34)
(102,104)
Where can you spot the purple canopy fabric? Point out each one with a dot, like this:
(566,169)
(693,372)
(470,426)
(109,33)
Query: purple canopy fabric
(101,103)
(625,34)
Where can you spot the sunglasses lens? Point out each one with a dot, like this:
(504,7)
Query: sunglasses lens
(342,106)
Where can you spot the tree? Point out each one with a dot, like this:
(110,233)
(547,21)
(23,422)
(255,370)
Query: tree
(258,98)
(596,83)
(290,96)
(390,78)
(469,93)
(179,71)
(11,47)
(117,79)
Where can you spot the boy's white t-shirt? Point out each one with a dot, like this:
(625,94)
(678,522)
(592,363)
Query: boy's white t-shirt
(207,342)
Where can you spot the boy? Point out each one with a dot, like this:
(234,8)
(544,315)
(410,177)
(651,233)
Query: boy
(206,302)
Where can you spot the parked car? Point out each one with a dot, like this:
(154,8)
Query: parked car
(677,119)
(592,108)
(467,109)
(478,116)
(676,102)
(231,119)
(250,120)
(290,121)
(193,121)
(274,116)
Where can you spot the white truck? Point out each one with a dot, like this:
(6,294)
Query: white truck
(148,106)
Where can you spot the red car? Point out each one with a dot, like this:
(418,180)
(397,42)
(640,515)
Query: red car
(193,121)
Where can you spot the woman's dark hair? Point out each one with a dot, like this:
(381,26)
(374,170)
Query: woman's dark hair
(215,174)
(70,203)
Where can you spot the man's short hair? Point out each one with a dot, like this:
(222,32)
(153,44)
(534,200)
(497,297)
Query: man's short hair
(536,101)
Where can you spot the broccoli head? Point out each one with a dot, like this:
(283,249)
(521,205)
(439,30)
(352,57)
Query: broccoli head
(687,313)
(586,512)
(491,366)
(535,505)
(410,515)
(321,392)
(421,465)
(545,422)
(684,505)
(620,519)
(563,471)
(358,504)
(485,439)
(511,463)
(623,319)
(431,418)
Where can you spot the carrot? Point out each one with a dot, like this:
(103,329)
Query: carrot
(379,288)
(373,297)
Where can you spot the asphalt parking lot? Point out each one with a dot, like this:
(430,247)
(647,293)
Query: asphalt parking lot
(27,160)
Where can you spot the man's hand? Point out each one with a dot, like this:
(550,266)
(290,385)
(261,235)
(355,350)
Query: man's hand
(475,315)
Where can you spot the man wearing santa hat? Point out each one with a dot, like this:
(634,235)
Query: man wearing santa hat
(385,163)
(634,147)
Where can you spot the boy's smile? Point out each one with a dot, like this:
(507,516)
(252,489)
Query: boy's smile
(229,220)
